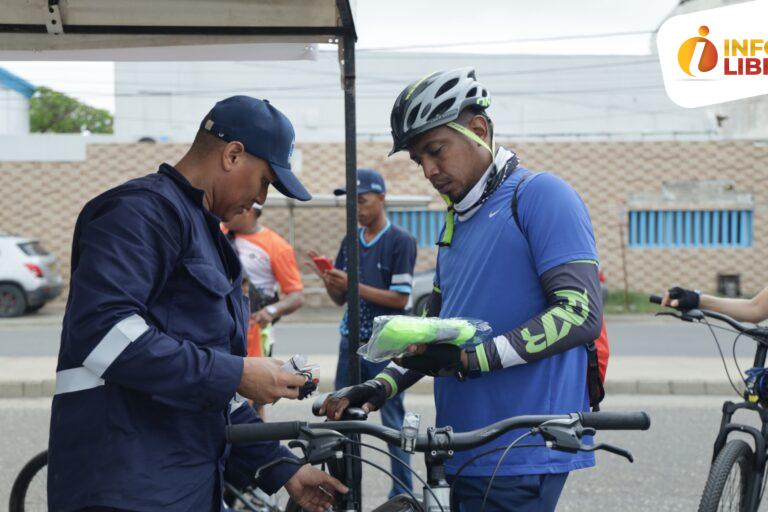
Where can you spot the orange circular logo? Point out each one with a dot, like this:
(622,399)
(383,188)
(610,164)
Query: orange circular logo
(699,48)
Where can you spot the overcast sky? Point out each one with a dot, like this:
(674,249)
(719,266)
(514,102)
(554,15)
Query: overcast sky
(617,27)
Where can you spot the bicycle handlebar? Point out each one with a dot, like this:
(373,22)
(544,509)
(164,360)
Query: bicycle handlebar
(615,420)
(286,430)
(696,314)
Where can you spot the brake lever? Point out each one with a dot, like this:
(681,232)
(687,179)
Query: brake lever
(281,460)
(611,449)
(692,315)
(318,445)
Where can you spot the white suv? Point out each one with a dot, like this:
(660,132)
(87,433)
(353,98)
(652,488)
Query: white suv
(29,276)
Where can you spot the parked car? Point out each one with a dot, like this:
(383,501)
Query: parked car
(29,276)
(422,289)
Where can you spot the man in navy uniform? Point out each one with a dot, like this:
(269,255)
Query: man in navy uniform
(153,342)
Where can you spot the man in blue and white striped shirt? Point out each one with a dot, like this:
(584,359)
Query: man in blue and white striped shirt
(387,259)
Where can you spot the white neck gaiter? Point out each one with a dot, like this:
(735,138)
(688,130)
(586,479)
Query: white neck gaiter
(467,207)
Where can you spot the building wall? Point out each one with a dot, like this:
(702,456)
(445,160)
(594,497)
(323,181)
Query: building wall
(42,199)
(14,112)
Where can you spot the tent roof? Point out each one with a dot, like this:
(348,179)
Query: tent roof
(138,29)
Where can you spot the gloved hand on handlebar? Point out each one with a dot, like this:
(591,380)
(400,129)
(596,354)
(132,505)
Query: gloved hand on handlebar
(370,396)
(681,298)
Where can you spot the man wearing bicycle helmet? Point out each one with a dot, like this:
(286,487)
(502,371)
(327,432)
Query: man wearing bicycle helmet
(518,251)
(752,310)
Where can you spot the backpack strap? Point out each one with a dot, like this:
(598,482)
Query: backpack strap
(595,386)
(527,174)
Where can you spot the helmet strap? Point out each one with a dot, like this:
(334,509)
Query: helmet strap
(474,137)
(450,221)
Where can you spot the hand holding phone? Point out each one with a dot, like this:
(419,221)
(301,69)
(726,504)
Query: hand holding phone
(322,263)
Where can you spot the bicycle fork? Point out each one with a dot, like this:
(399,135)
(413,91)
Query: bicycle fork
(759,437)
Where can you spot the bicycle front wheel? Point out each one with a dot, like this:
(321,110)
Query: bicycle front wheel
(730,480)
(29,492)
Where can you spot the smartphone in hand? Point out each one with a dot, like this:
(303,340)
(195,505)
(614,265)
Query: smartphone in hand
(322,263)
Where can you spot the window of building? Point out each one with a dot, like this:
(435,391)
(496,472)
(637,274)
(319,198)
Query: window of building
(424,225)
(690,228)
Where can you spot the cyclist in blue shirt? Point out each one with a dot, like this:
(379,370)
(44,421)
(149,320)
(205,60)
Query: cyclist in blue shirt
(387,259)
(529,270)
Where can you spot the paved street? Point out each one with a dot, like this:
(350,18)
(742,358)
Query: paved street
(668,474)
(643,336)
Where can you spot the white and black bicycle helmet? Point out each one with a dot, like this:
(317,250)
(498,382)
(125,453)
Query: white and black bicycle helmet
(433,101)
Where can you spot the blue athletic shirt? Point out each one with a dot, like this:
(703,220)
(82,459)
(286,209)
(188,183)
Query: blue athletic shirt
(491,272)
(386,262)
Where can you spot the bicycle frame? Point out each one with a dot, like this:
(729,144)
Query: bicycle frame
(760,437)
(751,402)
(348,469)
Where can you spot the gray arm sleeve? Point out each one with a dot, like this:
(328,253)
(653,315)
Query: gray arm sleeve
(573,318)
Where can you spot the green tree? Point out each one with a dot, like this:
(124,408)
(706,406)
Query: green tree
(54,112)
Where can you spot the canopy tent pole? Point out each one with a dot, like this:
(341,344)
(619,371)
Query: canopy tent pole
(353,246)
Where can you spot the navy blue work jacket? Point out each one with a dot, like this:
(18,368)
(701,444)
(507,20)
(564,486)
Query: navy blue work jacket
(151,356)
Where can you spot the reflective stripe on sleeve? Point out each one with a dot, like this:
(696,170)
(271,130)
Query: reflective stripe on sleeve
(101,357)
(76,379)
(114,342)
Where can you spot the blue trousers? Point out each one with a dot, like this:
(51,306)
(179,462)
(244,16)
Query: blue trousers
(526,493)
(391,414)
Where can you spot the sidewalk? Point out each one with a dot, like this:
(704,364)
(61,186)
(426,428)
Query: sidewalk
(35,376)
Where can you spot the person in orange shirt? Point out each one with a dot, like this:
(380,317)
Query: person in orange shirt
(268,262)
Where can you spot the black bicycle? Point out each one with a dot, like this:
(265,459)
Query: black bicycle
(336,444)
(737,476)
(29,493)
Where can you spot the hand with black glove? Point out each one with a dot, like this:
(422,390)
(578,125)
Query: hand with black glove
(681,298)
(370,395)
(435,360)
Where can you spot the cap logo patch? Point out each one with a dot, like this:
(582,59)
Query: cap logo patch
(209,124)
(290,154)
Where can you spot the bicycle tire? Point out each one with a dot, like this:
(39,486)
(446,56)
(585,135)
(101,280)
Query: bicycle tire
(40,461)
(735,455)
(24,478)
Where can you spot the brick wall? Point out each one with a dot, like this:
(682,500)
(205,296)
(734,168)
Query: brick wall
(42,199)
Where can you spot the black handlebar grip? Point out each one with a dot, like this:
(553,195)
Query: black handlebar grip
(256,432)
(616,420)
(656,299)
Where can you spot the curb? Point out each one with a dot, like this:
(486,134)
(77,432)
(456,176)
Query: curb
(46,388)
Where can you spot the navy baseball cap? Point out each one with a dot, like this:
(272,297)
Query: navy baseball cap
(265,133)
(368,180)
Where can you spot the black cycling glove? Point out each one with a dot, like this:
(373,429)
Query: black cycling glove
(686,299)
(438,360)
(371,391)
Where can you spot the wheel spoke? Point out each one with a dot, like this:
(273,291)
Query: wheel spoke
(733,491)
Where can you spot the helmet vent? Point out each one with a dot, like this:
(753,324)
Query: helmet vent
(442,108)
(471,92)
(447,86)
(412,115)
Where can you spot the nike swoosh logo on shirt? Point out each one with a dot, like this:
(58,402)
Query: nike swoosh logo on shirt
(490,215)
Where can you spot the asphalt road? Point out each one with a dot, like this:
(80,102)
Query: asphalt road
(641,337)
(671,460)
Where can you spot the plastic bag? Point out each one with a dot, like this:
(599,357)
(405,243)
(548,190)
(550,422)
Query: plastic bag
(392,335)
